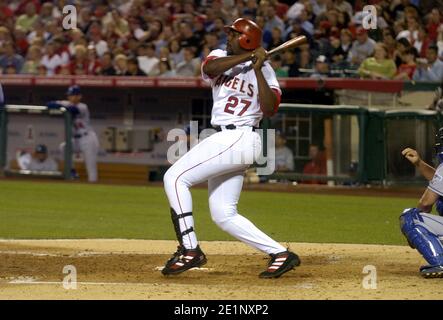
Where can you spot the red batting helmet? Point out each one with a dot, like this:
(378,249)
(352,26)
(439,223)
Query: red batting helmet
(251,34)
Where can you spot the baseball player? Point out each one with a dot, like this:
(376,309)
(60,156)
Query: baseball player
(423,230)
(39,161)
(244,89)
(84,138)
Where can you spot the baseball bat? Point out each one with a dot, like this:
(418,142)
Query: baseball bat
(297,41)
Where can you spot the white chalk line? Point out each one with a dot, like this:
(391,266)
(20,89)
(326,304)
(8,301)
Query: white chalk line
(79,254)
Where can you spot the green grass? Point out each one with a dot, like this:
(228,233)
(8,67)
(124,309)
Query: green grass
(34,210)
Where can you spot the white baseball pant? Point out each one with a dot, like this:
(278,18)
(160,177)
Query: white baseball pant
(220,159)
(88,145)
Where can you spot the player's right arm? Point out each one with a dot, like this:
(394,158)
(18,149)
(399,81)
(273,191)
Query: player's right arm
(425,169)
(215,66)
(427,200)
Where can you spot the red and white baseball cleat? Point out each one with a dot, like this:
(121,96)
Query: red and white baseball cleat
(184,259)
(280,263)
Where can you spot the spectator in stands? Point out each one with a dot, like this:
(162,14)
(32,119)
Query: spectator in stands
(406,70)
(267,35)
(176,52)
(117,23)
(164,37)
(122,26)
(276,39)
(147,59)
(434,22)
(321,68)
(95,36)
(77,38)
(5,37)
(165,69)
(411,32)
(341,51)
(79,63)
(38,30)
(362,48)
(10,57)
(54,29)
(188,39)
(10,69)
(295,10)
(46,12)
(402,46)
(41,70)
(423,42)
(26,20)
(379,66)
(290,63)
(304,62)
(164,53)
(343,6)
(277,65)
(217,27)
(32,61)
(133,68)
(61,49)
(93,61)
(84,19)
(121,64)
(284,157)
(20,41)
(316,165)
(273,20)
(300,26)
(190,67)
(431,68)
(388,39)
(211,41)
(106,65)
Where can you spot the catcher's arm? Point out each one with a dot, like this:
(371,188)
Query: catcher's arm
(425,169)
(427,200)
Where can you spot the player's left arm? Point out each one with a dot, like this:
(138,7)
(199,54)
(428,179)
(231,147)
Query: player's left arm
(269,99)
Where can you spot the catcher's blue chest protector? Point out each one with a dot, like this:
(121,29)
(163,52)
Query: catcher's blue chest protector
(420,230)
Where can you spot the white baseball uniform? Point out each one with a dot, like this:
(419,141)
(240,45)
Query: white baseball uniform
(222,158)
(84,138)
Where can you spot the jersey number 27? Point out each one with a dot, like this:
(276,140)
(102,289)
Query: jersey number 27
(233,103)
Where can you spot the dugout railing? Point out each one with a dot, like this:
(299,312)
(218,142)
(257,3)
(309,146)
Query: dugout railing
(400,128)
(8,109)
(325,114)
(376,149)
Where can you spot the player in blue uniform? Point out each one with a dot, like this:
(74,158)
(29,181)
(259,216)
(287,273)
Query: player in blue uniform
(422,229)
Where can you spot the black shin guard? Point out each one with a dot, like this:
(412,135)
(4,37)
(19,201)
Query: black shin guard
(175,221)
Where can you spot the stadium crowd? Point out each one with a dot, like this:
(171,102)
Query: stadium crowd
(170,38)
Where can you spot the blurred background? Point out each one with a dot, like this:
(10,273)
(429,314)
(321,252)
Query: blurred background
(353,98)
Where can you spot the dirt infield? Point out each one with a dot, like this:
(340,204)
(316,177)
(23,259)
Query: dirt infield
(129,269)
